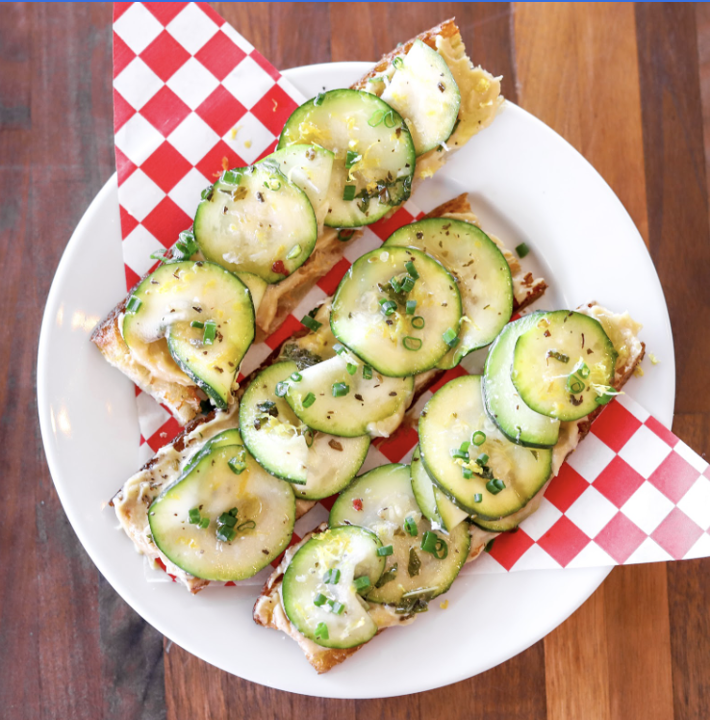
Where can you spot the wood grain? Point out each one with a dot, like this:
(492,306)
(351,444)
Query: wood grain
(622,83)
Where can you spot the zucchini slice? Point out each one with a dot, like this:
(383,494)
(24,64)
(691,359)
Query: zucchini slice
(383,501)
(319,591)
(255,220)
(504,405)
(206,315)
(563,365)
(226,437)
(231,545)
(320,465)
(310,167)
(374,153)
(446,430)
(398,323)
(371,405)
(431,500)
(423,91)
(481,272)
(257,287)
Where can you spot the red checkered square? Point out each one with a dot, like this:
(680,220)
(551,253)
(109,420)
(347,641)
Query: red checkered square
(448,376)
(122,55)
(385,227)
(132,278)
(128,222)
(289,327)
(615,426)
(662,431)
(220,55)
(274,109)
(508,548)
(264,64)
(564,489)
(620,538)
(677,534)
(165,111)
(164,12)
(397,445)
(221,111)
(328,502)
(330,281)
(166,167)
(164,434)
(211,14)
(563,541)
(166,221)
(119,8)
(123,111)
(213,164)
(618,481)
(674,477)
(125,168)
(165,56)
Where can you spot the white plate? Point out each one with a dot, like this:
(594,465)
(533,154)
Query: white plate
(528,185)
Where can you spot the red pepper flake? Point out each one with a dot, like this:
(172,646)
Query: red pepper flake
(280,268)
(225,163)
(357,504)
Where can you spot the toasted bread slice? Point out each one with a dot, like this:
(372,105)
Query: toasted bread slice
(132,501)
(268,609)
(480,102)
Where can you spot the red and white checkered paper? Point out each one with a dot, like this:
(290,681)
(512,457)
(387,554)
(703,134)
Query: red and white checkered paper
(192,97)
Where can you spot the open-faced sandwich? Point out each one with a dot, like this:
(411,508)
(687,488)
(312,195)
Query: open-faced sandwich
(219,503)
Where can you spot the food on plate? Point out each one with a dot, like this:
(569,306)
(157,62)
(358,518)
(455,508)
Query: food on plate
(479,486)
(345,159)
(307,416)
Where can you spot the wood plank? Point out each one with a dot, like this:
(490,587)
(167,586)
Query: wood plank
(577,71)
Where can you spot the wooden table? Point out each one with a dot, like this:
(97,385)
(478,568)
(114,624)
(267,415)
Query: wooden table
(628,86)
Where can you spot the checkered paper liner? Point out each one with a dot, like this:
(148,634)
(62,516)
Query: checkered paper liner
(193,97)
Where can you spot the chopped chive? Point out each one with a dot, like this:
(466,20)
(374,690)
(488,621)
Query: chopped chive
(418,322)
(362,583)
(234,511)
(407,284)
(197,324)
(410,526)
(467,473)
(225,534)
(412,343)
(338,349)
(557,356)
(319,599)
(296,377)
(398,62)
(394,284)
(318,99)
(376,118)
(340,389)
(247,525)
(336,607)
(450,337)
(351,158)
(158,255)
(237,465)
(321,631)
(194,516)
(459,454)
(226,519)
(351,368)
(605,397)
(388,307)
(582,369)
(482,459)
(411,307)
(186,246)
(433,544)
(230,177)
(281,389)
(310,323)
(494,486)
(411,269)
(575,385)
(309,400)
(206,194)
(294,252)
(385,551)
(522,250)
(390,122)
(366,372)
(204,523)
(210,332)
(465,446)
(332,576)
(478,497)
(133,304)
(349,192)
(345,235)
(478,438)
(376,78)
